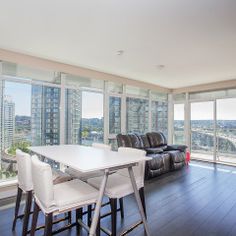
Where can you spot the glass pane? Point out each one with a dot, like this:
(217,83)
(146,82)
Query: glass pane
(226,130)
(73,116)
(202,130)
(15,125)
(136,115)
(136,91)
(179,97)
(114,115)
(179,124)
(160,117)
(82,82)
(114,87)
(208,95)
(92,118)
(21,71)
(158,96)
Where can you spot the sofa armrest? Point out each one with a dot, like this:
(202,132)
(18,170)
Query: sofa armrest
(181,148)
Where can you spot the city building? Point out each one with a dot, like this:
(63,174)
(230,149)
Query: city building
(45,119)
(8,126)
(73,116)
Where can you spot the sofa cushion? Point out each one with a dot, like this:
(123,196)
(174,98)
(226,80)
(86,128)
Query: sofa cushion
(145,141)
(123,140)
(135,141)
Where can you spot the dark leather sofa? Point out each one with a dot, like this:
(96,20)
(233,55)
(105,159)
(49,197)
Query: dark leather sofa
(165,157)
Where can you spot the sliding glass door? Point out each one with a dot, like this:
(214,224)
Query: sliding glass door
(202,130)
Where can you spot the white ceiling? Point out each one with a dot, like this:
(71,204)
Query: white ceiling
(194,39)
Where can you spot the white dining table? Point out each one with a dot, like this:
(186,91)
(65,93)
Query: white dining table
(86,159)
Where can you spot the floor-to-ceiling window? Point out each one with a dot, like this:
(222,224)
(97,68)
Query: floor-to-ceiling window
(29,111)
(15,124)
(202,130)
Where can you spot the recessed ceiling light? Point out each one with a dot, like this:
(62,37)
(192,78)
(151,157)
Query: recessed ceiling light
(160,67)
(120,52)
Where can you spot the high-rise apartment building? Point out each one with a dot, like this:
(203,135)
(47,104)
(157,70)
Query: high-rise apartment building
(1,115)
(114,115)
(45,115)
(73,116)
(8,126)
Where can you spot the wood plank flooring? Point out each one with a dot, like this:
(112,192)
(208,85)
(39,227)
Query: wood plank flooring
(197,200)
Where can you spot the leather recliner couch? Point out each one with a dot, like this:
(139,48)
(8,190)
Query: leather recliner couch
(165,157)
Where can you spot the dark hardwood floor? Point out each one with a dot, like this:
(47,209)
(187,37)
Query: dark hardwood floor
(197,200)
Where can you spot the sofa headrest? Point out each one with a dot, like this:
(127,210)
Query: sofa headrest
(123,140)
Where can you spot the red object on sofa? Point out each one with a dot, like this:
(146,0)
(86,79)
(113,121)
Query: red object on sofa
(187,157)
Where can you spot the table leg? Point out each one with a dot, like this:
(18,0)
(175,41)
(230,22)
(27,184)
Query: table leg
(138,199)
(93,227)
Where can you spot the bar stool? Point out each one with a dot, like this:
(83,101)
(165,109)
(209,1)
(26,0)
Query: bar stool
(25,185)
(85,176)
(60,198)
(119,184)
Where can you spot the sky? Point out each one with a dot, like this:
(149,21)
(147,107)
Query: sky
(92,103)
(21,96)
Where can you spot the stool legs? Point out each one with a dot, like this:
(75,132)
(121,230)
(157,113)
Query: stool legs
(27,212)
(121,208)
(142,196)
(89,216)
(17,207)
(35,219)
(79,215)
(113,215)
(48,225)
(69,217)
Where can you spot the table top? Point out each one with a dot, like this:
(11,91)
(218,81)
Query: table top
(86,159)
